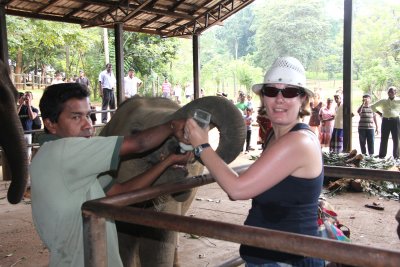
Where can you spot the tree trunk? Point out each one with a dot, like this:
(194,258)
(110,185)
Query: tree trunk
(106,49)
(68,67)
(18,69)
(44,74)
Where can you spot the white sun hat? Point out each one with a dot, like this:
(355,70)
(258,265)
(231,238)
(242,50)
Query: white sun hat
(286,70)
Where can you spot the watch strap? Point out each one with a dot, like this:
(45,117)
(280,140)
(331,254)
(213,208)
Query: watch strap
(200,148)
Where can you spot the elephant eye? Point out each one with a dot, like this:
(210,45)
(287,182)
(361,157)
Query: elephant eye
(133,131)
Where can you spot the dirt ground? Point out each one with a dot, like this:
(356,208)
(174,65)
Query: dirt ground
(21,246)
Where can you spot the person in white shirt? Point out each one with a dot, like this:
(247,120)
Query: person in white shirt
(107,83)
(57,78)
(131,84)
(189,91)
(178,93)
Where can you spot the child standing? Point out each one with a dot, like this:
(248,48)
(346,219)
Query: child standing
(248,120)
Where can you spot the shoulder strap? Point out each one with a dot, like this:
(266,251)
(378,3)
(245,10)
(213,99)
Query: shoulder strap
(300,126)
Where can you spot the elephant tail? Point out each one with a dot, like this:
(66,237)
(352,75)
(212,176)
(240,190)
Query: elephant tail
(226,117)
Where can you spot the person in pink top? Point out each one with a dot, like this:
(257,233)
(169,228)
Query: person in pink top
(166,89)
(326,115)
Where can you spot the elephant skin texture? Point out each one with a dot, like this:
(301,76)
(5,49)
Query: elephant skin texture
(14,154)
(146,246)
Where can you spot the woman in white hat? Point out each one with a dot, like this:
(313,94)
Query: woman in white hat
(285,182)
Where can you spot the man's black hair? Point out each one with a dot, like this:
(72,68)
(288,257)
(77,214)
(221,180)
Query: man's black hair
(54,96)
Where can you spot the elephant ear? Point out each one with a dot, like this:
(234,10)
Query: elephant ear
(226,117)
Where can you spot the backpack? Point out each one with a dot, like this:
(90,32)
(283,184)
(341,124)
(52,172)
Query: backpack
(37,123)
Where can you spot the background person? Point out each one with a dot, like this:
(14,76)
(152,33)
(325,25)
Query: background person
(58,78)
(336,143)
(131,84)
(326,115)
(389,110)
(82,79)
(285,182)
(69,169)
(166,88)
(248,120)
(107,84)
(178,93)
(264,126)
(366,124)
(241,104)
(189,91)
(315,105)
(27,114)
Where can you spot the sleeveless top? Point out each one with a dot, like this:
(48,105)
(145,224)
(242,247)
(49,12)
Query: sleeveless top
(290,206)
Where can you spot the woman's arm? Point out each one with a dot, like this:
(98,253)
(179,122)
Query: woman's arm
(279,160)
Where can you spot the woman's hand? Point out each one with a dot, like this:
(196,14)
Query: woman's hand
(195,134)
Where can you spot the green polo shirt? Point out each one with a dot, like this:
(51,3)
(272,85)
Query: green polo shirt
(64,175)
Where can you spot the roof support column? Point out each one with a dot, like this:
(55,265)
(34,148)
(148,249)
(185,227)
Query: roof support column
(3,36)
(347,74)
(119,62)
(196,66)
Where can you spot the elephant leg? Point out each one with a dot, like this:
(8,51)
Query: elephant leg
(128,250)
(158,248)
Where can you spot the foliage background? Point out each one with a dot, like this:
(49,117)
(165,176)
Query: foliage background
(233,57)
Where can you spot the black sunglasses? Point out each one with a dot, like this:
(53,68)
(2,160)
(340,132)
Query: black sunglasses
(288,92)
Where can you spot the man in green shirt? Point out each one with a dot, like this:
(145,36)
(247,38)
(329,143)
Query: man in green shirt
(69,168)
(389,111)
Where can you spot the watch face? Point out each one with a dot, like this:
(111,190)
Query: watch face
(197,151)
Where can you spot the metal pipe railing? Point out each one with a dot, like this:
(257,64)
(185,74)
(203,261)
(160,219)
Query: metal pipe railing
(341,252)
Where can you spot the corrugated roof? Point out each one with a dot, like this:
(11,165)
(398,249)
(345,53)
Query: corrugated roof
(180,18)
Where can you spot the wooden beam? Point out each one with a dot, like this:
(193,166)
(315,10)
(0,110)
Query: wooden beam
(137,10)
(44,17)
(347,74)
(196,66)
(3,37)
(119,58)
(215,8)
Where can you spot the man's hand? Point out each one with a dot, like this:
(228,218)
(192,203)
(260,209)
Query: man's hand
(177,127)
(28,101)
(21,100)
(180,159)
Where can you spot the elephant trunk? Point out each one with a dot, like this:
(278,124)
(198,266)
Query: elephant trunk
(226,117)
(12,138)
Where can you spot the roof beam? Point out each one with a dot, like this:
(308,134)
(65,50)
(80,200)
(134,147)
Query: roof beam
(137,10)
(46,6)
(193,25)
(44,17)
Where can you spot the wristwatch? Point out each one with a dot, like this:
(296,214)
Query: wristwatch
(200,148)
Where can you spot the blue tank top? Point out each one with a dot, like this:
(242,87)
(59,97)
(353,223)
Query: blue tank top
(290,206)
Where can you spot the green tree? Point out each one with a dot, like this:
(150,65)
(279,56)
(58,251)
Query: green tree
(295,28)
(376,39)
(237,34)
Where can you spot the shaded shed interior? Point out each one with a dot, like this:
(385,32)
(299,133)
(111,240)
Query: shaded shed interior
(167,18)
